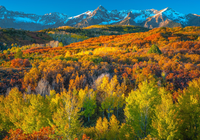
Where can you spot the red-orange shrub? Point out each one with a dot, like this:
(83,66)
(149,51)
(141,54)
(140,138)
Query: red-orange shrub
(20,63)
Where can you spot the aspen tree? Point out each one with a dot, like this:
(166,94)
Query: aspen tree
(90,104)
(98,127)
(36,113)
(113,128)
(164,122)
(101,127)
(188,108)
(66,119)
(139,108)
(11,108)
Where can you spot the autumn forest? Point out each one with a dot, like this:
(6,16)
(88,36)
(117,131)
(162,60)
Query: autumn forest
(102,82)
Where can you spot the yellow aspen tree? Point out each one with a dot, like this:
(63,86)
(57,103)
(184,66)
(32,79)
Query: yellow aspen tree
(113,128)
(82,96)
(12,110)
(105,127)
(111,94)
(120,100)
(66,119)
(164,121)
(2,114)
(54,100)
(103,85)
(36,113)
(188,110)
(140,106)
(99,128)
(5,122)
(126,132)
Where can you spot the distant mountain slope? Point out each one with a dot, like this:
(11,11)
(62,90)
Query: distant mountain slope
(97,30)
(149,18)
(21,37)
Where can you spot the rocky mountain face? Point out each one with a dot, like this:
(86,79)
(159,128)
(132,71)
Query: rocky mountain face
(149,18)
(10,19)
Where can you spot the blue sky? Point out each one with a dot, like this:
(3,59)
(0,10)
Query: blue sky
(75,7)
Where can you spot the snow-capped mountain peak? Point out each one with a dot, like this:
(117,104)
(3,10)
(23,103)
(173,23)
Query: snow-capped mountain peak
(149,18)
(175,16)
(86,13)
(101,8)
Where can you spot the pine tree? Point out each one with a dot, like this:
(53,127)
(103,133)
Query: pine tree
(19,53)
(154,49)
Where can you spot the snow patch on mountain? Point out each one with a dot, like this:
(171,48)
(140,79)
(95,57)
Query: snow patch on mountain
(24,19)
(149,12)
(135,11)
(173,15)
(123,13)
(52,23)
(109,22)
(39,21)
(86,13)
(159,13)
(140,19)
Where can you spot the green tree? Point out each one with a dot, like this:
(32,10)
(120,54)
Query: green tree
(19,53)
(66,117)
(188,108)
(111,94)
(154,49)
(11,110)
(164,120)
(36,113)
(113,128)
(139,110)
(89,104)
(60,44)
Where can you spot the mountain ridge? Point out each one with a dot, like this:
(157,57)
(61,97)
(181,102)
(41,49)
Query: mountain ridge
(149,18)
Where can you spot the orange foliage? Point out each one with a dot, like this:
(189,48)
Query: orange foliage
(20,63)
(84,137)
(155,37)
(44,133)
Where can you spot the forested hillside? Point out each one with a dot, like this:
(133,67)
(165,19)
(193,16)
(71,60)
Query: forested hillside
(143,85)
(98,30)
(21,37)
